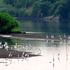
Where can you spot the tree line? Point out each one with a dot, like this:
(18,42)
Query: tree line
(39,9)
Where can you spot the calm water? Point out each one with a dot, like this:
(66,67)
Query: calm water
(40,26)
(55,55)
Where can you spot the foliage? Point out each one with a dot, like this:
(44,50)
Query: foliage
(8,24)
(39,9)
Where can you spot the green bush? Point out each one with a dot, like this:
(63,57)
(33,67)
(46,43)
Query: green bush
(8,24)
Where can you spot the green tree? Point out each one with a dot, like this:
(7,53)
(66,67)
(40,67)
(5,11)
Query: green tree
(65,18)
(8,24)
(41,8)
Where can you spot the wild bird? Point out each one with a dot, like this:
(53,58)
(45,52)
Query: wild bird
(24,55)
(0,44)
(15,46)
(10,54)
(6,46)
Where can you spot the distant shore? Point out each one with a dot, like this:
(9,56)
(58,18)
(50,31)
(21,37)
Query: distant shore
(24,36)
(34,36)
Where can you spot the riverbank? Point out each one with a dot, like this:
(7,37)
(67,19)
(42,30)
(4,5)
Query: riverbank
(32,36)
(35,36)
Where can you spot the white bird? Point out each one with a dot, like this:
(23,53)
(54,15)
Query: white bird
(22,54)
(26,55)
(15,46)
(6,47)
(10,54)
(0,44)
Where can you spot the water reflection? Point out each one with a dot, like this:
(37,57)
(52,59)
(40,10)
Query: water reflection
(34,26)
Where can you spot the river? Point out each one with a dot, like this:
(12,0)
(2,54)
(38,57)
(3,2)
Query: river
(55,55)
(40,26)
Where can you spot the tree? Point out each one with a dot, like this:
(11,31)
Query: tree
(64,18)
(8,24)
(41,8)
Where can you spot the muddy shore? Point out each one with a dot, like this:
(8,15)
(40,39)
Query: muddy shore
(15,54)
